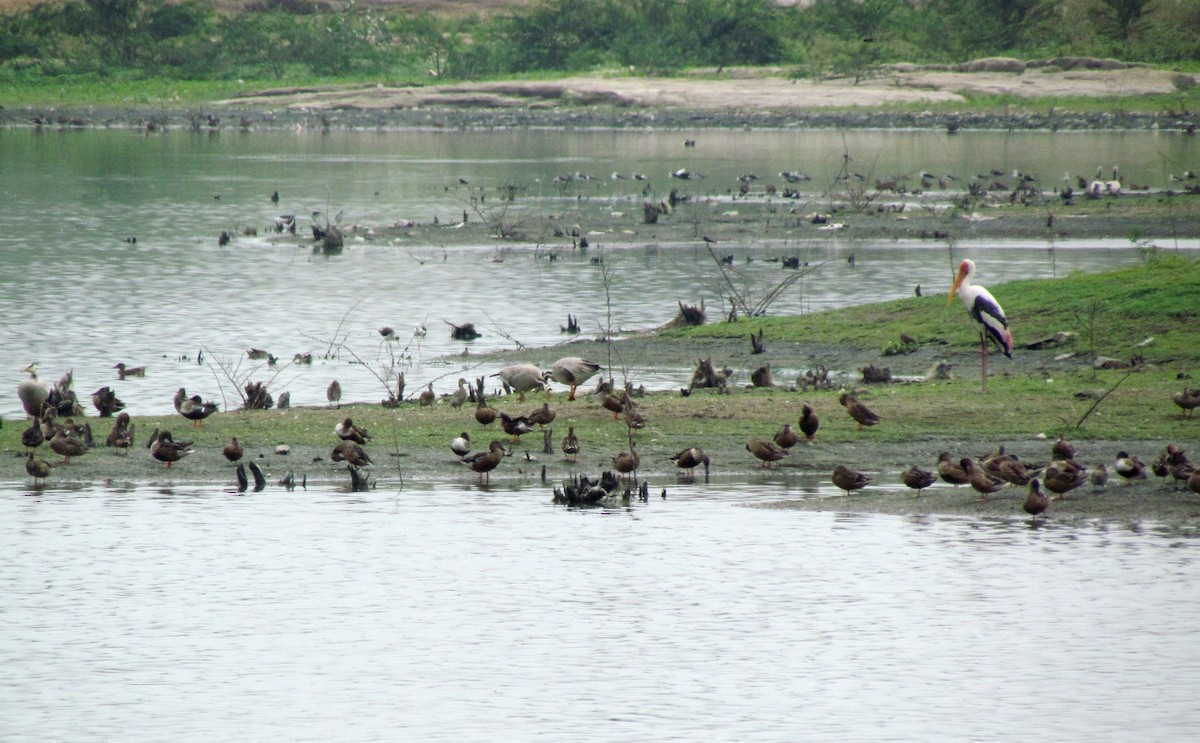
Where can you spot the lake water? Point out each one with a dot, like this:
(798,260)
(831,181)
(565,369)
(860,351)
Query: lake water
(451,612)
(460,613)
(79,297)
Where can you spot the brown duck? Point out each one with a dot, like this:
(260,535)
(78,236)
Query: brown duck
(351,453)
(862,415)
(515,426)
(766,451)
(427,397)
(691,458)
(68,447)
(786,437)
(233,450)
(614,404)
(124,371)
(347,431)
(33,437)
(166,449)
(484,413)
(543,416)
(1036,501)
(1063,449)
(809,423)
(38,468)
(1062,481)
(121,435)
(1012,470)
(847,479)
(570,444)
(627,461)
(1188,400)
(951,471)
(917,478)
(982,482)
(485,461)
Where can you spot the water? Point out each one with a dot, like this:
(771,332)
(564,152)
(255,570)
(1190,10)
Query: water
(455,613)
(459,613)
(79,297)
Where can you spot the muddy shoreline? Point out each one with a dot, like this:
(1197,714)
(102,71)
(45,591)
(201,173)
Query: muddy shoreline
(245,117)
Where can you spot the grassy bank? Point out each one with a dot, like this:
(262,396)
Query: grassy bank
(1111,313)
(1031,399)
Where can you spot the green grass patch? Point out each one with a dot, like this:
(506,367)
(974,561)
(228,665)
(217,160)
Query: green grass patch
(1110,313)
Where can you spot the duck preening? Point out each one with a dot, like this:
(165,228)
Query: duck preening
(1130,467)
(766,451)
(515,426)
(347,431)
(351,453)
(691,458)
(121,435)
(917,478)
(166,449)
(106,402)
(847,479)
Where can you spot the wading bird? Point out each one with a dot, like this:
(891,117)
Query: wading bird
(986,311)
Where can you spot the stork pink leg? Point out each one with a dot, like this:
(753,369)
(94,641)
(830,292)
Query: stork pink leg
(983,354)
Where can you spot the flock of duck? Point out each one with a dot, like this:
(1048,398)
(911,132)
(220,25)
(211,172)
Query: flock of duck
(986,474)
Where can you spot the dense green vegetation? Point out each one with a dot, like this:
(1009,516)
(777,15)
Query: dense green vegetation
(296,41)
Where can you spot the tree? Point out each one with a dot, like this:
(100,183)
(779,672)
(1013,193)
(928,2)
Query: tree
(1119,18)
(115,22)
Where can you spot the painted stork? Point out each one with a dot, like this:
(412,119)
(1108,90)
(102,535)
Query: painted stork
(986,311)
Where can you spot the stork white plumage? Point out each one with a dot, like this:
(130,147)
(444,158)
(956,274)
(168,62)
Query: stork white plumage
(986,311)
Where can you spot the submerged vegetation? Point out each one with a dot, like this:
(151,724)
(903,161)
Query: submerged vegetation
(99,47)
